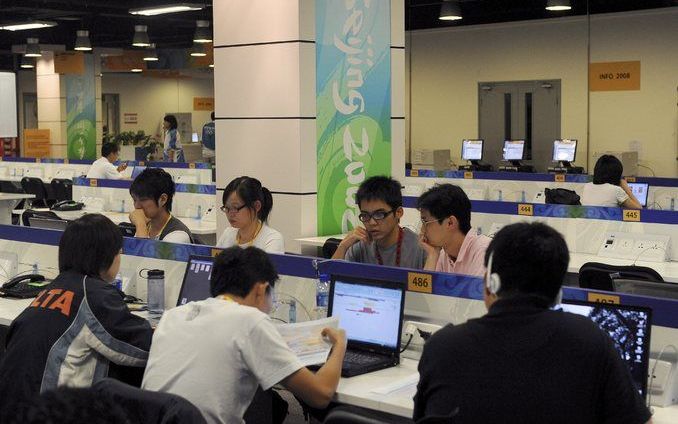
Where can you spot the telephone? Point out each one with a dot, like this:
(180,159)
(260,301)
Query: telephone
(93,204)
(68,205)
(24,286)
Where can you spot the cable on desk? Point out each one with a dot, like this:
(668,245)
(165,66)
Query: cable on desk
(407,344)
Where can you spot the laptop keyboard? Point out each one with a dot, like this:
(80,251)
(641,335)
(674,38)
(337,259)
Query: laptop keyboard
(359,358)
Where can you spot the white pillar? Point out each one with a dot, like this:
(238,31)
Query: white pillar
(51,93)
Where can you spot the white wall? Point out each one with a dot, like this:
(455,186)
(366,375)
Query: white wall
(151,98)
(447,64)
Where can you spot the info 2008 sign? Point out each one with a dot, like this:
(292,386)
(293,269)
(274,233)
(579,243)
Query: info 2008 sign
(353,104)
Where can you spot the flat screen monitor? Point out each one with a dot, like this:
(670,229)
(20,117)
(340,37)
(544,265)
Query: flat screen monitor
(640,191)
(196,284)
(514,149)
(564,150)
(629,328)
(137,170)
(47,223)
(472,149)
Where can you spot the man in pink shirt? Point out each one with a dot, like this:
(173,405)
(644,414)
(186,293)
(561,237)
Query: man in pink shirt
(445,234)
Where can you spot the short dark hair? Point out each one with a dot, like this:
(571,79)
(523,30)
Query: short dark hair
(237,270)
(530,258)
(172,120)
(89,245)
(608,169)
(212,115)
(153,183)
(250,190)
(67,406)
(108,148)
(443,200)
(380,188)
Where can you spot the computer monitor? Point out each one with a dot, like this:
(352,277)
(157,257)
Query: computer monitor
(640,190)
(47,223)
(194,137)
(564,150)
(472,149)
(196,284)
(370,311)
(514,150)
(137,170)
(628,326)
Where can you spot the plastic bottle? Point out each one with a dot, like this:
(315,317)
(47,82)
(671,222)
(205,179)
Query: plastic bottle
(522,196)
(199,212)
(293,312)
(122,206)
(36,268)
(118,281)
(322,293)
(673,204)
(156,291)
(499,196)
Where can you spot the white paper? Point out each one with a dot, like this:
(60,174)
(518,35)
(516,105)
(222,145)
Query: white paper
(305,339)
(404,386)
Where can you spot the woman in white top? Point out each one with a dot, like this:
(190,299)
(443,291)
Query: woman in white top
(247,205)
(608,187)
(172,148)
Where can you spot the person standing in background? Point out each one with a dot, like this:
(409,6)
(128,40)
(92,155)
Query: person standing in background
(172,148)
(208,140)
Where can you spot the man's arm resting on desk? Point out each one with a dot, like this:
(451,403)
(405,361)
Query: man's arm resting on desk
(355,236)
(318,389)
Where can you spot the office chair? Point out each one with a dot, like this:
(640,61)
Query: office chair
(147,406)
(63,189)
(355,415)
(599,276)
(330,246)
(34,186)
(30,213)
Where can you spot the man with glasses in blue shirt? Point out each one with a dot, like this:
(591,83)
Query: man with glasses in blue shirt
(382,240)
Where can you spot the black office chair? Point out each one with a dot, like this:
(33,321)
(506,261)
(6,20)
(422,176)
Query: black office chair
(30,213)
(62,188)
(34,186)
(147,406)
(330,246)
(599,276)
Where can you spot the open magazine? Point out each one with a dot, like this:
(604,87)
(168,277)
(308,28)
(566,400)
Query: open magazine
(305,339)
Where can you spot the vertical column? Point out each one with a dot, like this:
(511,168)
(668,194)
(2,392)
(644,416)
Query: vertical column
(97,101)
(398,90)
(51,94)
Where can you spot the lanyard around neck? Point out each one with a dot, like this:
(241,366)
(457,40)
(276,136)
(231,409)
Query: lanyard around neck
(399,246)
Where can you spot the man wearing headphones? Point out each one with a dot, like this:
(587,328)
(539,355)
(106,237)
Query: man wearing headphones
(523,362)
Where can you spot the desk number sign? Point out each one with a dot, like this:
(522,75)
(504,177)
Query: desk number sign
(525,209)
(419,282)
(632,215)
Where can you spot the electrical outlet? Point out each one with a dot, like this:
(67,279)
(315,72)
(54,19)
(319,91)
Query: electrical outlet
(417,340)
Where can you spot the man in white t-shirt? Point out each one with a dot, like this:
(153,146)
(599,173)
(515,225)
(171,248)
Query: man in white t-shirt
(103,167)
(217,351)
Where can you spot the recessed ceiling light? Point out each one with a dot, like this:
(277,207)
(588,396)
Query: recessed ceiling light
(558,5)
(136,70)
(169,8)
(82,43)
(32,48)
(198,51)
(450,11)
(27,63)
(150,54)
(140,36)
(28,25)
(202,32)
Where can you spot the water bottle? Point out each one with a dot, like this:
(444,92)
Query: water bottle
(122,206)
(35,269)
(499,196)
(322,293)
(156,291)
(118,281)
(673,204)
(522,196)
(293,312)
(199,212)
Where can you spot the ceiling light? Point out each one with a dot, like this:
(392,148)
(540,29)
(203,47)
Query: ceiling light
(170,8)
(136,70)
(140,36)
(450,11)
(202,32)
(557,5)
(32,48)
(150,54)
(198,51)
(28,25)
(82,43)
(211,65)
(27,63)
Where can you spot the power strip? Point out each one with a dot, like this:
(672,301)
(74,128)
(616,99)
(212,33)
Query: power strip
(416,329)
(635,247)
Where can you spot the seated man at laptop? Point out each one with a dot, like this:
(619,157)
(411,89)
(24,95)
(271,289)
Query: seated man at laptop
(382,241)
(103,167)
(217,351)
(523,362)
(445,234)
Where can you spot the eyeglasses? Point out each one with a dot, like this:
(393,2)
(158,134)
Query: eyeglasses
(376,215)
(424,222)
(231,209)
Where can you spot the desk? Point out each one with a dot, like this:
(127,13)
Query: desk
(11,308)
(358,391)
(8,202)
(318,241)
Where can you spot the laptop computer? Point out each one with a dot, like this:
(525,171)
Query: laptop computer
(196,283)
(629,328)
(640,190)
(371,313)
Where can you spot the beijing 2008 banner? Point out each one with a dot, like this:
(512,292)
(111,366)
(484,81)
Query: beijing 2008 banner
(81,113)
(353,103)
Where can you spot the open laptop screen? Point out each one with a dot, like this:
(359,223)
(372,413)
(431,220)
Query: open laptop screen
(628,326)
(196,284)
(369,312)
(640,191)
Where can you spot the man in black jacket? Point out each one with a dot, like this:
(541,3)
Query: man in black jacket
(79,325)
(524,362)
